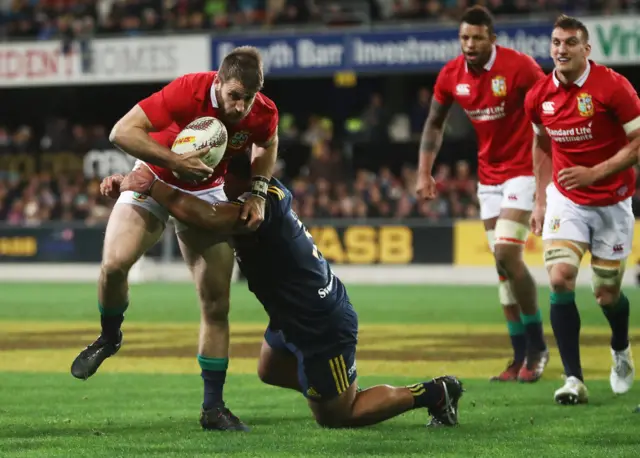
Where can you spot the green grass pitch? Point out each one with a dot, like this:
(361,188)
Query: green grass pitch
(146,400)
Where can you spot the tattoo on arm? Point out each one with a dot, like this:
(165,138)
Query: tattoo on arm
(432,133)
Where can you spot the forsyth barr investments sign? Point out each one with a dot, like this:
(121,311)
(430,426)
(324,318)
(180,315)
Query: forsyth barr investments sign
(389,51)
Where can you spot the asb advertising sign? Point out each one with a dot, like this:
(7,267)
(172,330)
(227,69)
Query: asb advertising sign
(388,51)
(121,60)
(615,40)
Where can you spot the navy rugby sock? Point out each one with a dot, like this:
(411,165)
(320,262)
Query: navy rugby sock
(426,394)
(565,321)
(111,319)
(214,374)
(618,317)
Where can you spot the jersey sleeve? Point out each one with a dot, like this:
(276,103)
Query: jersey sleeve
(167,136)
(531,109)
(173,103)
(441,91)
(530,73)
(625,103)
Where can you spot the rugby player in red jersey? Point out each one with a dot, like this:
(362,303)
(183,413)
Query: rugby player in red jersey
(232,95)
(490,82)
(586,120)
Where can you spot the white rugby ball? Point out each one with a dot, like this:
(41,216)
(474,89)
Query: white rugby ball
(200,133)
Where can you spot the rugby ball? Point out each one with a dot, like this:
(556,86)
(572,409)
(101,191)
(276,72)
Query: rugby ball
(200,133)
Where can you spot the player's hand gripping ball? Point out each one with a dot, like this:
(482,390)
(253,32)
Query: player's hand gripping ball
(201,146)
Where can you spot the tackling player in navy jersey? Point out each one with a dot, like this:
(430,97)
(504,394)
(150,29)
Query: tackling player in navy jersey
(310,342)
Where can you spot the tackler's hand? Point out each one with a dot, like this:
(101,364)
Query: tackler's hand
(139,180)
(252,213)
(576,177)
(110,186)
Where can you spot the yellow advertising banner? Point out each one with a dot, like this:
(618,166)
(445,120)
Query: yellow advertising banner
(470,247)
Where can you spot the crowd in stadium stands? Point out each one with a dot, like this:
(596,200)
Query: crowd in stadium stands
(320,190)
(60,19)
(325,186)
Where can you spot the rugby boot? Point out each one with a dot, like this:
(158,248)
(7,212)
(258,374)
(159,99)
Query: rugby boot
(533,367)
(219,418)
(446,414)
(573,392)
(510,374)
(622,371)
(89,360)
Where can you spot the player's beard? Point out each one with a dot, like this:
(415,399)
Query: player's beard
(479,59)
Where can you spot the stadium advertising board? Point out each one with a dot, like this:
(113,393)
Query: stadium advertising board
(375,51)
(615,40)
(113,60)
(50,244)
(470,247)
(345,243)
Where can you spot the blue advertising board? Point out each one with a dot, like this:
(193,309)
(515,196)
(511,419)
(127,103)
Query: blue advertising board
(375,51)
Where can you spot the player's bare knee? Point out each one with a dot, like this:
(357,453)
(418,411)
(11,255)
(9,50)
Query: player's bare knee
(562,259)
(606,280)
(510,238)
(215,310)
(562,278)
(334,420)
(114,269)
(606,296)
(265,373)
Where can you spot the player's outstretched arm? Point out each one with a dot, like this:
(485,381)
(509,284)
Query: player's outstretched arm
(223,218)
(430,143)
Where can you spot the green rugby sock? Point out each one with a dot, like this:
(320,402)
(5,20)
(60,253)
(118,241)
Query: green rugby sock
(111,320)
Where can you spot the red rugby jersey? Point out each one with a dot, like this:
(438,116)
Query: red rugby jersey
(588,122)
(192,96)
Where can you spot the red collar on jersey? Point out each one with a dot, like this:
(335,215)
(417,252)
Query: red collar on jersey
(580,81)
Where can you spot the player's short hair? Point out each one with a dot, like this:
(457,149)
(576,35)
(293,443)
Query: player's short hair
(245,65)
(479,15)
(240,166)
(565,22)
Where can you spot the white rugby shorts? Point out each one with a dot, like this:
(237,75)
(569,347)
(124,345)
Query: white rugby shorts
(518,193)
(608,230)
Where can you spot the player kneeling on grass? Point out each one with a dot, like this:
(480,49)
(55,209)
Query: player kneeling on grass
(586,120)
(310,343)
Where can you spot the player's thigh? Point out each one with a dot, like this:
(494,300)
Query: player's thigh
(276,359)
(208,256)
(512,227)
(135,225)
(490,199)
(329,384)
(611,246)
(210,259)
(566,236)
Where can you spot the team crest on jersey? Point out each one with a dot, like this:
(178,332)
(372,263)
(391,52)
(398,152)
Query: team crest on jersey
(239,139)
(499,86)
(585,104)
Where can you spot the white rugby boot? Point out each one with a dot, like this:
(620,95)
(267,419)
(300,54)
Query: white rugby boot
(574,391)
(622,371)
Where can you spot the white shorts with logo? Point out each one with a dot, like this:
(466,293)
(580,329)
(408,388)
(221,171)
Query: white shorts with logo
(212,195)
(608,230)
(518,193)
